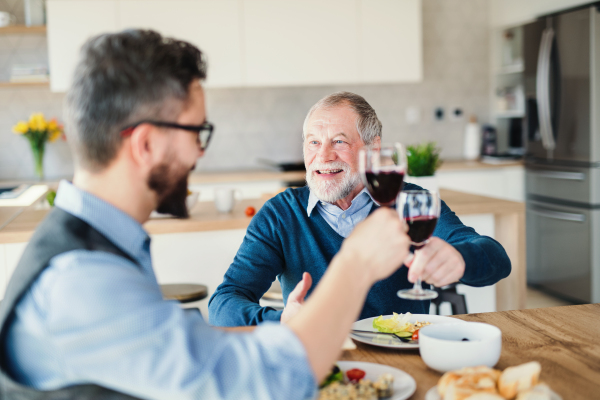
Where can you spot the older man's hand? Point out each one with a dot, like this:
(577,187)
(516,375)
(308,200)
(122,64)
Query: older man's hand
(437,263)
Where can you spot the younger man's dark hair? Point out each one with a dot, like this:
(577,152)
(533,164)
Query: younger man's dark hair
(123,78)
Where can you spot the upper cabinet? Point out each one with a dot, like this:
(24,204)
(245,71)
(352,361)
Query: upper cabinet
(258,42)
(70,24)
(391,41)
(300,42)
(211,25)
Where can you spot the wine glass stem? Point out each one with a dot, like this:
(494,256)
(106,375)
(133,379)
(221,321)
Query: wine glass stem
(417,286)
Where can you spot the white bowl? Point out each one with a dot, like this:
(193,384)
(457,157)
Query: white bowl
(443,349)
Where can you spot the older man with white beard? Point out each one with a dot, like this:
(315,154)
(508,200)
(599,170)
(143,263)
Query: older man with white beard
(297,233)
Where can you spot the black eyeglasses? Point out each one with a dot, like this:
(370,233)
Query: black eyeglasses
(203,131)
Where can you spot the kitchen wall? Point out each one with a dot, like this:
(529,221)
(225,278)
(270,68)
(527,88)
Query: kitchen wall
(267,122)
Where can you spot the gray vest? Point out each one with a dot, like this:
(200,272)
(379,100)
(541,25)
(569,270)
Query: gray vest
(58,233)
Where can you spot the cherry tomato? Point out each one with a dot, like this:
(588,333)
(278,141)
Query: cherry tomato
(250,211)
(415,335)
(355,374)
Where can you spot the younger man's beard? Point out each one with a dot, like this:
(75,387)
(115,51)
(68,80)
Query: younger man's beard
(171,188)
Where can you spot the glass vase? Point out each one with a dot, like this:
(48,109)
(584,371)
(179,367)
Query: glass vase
(37,149)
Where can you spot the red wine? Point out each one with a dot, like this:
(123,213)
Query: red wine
(420,228)
(384,186)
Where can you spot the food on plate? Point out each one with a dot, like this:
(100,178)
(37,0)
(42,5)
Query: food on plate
(385,386)
(415,335)
(484,383)
(520,378)
(359,389)
(354,375)
(398,324)
(336,375)
(362,390)
(465,382)
(250,211)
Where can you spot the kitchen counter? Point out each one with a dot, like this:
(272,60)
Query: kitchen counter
(509,225)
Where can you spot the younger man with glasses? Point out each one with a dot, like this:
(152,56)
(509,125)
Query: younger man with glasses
(83,316)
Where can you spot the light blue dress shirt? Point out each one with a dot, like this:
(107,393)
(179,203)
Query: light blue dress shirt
(343,221)
(96,317)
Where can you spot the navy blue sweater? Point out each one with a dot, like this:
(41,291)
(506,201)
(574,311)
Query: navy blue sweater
(282,242)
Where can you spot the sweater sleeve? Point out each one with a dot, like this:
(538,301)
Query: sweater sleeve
(486,261)
(256,265)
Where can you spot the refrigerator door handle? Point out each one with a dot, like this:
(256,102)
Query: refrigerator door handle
(563,216)
(543,90)
(570,176)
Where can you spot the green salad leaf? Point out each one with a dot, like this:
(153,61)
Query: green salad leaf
(397,323)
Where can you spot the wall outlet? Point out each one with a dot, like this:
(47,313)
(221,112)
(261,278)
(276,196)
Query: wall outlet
(457,114)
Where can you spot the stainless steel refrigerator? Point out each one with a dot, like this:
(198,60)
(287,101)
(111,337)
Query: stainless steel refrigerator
(562,127)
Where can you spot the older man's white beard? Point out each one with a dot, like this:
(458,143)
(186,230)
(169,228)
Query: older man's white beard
(331,191)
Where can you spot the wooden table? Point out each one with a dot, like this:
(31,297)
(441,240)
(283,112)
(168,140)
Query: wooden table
(565,340)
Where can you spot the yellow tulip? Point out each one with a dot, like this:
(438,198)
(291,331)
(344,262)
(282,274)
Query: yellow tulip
(37,122)
(21,127)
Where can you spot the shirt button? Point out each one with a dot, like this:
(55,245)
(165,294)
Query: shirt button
(344,216)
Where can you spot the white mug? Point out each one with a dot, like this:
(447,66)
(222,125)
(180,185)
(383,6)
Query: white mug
(7,19)
(225,199)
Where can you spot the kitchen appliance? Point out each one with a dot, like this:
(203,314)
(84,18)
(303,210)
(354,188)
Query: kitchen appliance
(562,90)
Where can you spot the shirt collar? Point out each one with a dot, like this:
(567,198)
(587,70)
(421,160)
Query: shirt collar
(313,200)
(117,226)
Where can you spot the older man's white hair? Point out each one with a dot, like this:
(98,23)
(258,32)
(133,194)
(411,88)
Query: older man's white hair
(367,123)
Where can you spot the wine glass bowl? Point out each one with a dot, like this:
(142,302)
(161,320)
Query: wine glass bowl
(382,171)
(420,209)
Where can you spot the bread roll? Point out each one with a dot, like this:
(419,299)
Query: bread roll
(520,378)
(459,385)
(485,396)
(481,376)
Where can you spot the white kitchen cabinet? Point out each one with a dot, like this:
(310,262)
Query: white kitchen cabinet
(390,41)
(504,182)
(211,25)
(195,257)
(300,42)
(70,24)
(258,42)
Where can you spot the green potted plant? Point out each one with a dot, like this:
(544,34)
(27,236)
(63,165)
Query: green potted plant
(423,160)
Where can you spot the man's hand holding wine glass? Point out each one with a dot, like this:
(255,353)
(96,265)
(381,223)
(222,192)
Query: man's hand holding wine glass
(437,263)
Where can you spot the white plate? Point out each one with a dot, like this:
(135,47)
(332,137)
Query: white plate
(391,341)
(432,394)
(404,384)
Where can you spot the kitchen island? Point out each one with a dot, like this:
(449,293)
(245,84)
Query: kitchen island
(181,248)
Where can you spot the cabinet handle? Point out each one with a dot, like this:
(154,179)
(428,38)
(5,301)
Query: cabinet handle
(569,176)
(543,90)
(563,216)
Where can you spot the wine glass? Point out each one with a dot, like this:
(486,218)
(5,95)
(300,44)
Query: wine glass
(382,171)
(421,210)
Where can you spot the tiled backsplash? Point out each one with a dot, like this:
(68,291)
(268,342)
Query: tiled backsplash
(253,123)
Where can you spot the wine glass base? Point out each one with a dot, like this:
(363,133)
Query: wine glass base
(413,294)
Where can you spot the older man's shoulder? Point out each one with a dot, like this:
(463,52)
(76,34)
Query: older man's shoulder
(290,197)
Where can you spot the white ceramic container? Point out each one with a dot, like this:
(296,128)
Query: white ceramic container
(442,346)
